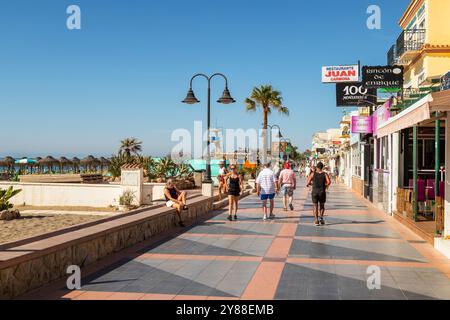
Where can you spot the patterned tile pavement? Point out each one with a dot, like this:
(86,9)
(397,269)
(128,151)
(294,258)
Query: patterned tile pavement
(287,258)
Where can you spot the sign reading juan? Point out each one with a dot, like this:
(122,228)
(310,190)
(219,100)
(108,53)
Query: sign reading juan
(382,77)
(336,74)
(354,94)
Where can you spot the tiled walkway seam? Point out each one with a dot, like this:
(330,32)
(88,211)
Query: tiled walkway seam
(264,283)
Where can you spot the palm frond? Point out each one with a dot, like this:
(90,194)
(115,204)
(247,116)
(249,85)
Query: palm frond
(284,111)
(250,105)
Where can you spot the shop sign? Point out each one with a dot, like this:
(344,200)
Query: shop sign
(354,94)
(337,74)
(381,115)
(382,77)
(362,124)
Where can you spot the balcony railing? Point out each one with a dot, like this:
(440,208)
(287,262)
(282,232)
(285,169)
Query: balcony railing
(411,95)
(392,56)
(410,41)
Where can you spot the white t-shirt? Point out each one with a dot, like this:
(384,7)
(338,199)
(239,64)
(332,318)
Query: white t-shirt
(307,171)
(266,180)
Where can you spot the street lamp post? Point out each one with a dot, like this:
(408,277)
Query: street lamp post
(225,99)
(271,139)
(288,142)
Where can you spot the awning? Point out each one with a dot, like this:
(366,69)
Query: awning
(418,112)
(441,101)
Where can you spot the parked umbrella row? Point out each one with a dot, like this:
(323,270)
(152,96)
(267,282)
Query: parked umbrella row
(51,164)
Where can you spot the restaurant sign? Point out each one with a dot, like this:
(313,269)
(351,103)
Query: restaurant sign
(381,116)
(354,94)
(382,77)
(337,74)
(362,124)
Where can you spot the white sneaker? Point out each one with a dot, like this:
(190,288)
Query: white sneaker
(265,218)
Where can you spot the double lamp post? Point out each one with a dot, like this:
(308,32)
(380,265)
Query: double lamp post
(225,99)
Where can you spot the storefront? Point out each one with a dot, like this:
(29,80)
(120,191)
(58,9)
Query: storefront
(357,164)
(415,140)
(381,178)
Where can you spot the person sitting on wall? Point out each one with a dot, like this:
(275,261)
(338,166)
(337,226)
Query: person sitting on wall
(175,199)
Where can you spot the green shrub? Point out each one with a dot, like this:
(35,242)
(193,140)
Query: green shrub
(127,198)
(5,196)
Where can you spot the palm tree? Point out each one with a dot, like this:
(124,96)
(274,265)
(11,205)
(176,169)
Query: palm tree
(115,168)
(131,146)
(268,99)
(147,163)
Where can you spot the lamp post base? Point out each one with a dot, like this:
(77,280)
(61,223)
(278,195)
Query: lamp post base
(208,189)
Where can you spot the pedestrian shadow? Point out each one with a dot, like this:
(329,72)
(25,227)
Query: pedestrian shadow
(332,221)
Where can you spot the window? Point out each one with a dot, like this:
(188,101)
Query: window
(356,160)
(382,161)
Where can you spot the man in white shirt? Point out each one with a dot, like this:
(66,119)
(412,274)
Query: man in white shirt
(307,171)
(267,188)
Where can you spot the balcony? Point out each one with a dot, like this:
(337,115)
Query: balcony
(392,56)
(410,96)
(409,44)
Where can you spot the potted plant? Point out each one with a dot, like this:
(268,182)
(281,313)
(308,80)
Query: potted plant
(126,200)
(5,206)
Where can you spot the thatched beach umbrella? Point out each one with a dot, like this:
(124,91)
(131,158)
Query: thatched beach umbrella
(48,162)
(9,163)
(76,164)
(37,159)
(104,163)
(63,162)
(89,162)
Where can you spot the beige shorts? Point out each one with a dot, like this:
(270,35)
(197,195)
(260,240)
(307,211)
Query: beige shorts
(170,204)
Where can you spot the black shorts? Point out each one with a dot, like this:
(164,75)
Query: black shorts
(319,197)
(234,193)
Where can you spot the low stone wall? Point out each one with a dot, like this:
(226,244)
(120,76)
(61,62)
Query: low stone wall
(65,194)
(32,265)
(358,185)
(157,190)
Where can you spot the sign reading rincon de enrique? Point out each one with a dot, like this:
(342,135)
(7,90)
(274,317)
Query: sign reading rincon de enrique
(337,74)
(382,77)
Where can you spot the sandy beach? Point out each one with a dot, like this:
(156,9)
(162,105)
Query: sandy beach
(32,225)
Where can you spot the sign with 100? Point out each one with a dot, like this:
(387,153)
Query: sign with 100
(354,94)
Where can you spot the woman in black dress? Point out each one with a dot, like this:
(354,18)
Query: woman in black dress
(235,186)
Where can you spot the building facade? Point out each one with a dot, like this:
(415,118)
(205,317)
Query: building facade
(401,166)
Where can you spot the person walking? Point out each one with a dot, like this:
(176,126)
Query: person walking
(267,188)
(320,182)
(336,174)
(307,171)
(287,184)
(221,177)
(235,186)
(175,199)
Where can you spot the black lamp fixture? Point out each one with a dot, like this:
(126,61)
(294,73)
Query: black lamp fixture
(190,98)
(225,99)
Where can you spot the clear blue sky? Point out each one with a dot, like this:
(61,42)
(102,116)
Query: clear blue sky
(125,73)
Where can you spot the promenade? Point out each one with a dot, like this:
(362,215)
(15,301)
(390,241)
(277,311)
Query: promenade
(286,258)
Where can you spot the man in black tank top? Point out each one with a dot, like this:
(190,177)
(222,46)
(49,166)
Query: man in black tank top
(320,182)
